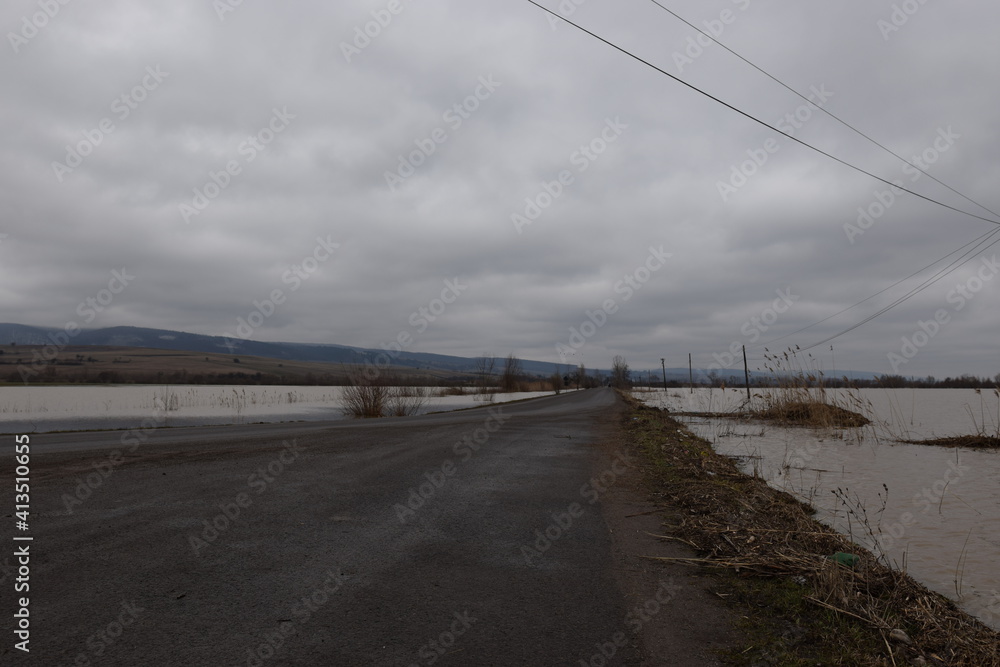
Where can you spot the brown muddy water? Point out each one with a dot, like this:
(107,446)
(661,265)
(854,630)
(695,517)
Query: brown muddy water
(934,511)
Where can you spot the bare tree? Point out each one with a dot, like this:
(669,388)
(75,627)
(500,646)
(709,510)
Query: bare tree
(485,369)
(556,380)
(620,374)
(510,378)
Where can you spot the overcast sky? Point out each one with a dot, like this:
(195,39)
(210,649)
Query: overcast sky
(219,152)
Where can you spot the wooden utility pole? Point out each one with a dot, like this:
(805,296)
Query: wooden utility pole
(690,373)
(746,372)
(663,365)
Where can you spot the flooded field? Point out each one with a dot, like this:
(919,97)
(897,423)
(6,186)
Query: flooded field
(934,511)
(45,409)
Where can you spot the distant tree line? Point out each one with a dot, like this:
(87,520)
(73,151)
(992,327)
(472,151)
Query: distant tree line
(713,379)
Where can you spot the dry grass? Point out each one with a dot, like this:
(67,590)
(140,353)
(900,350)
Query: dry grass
(969,441)
(811,412)
(775,556)
(798,396)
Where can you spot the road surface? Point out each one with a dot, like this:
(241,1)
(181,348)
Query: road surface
(479,537)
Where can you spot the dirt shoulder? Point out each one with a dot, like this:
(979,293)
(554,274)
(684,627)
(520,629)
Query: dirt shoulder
(680,621)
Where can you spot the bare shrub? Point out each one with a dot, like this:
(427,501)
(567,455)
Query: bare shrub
(511,377)
(366,394)
(405,401)
(556,381)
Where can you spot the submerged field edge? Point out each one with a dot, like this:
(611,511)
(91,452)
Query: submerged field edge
(771,563)
(284,421)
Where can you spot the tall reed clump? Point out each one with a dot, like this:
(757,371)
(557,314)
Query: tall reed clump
(797,395)
(983,428)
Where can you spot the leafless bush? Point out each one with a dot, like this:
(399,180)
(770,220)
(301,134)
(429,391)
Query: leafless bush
(405,401)
(366,395)
(371,393)
(556,381)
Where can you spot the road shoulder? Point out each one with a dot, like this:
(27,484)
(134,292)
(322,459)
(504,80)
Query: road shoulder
(679,620)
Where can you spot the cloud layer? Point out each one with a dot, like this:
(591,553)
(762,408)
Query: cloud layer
(211,149)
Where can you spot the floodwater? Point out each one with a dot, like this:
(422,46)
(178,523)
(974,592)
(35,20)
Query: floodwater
(934,511)
(30,409)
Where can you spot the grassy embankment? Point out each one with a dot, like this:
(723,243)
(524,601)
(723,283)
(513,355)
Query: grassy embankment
(770,557)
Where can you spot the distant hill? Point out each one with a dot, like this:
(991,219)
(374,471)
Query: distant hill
(163,339)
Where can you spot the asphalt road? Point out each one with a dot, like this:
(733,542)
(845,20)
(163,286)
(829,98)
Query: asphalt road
(406,541)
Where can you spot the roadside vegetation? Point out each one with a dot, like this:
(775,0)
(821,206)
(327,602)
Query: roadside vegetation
(804,594)
(797,395)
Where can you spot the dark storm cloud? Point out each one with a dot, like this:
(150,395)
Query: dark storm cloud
(278,125)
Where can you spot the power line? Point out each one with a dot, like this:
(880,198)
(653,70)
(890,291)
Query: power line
(851,307)
(876,143)
(826,154)
(828,113)
(954,266)
(759,121)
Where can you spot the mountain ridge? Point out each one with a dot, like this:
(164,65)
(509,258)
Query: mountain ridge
(167,339)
